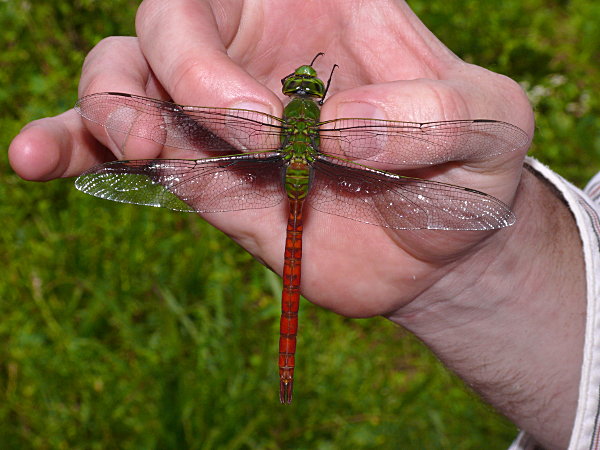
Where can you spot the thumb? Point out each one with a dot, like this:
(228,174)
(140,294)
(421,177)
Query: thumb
(422,122)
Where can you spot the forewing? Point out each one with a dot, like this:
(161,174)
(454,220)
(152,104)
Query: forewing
(411,144)
(389,200)
(209,185)
(203,131)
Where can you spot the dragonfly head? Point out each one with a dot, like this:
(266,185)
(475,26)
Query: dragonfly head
(303,83)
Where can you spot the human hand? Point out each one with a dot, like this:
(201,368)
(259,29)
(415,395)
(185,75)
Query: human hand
(236,56)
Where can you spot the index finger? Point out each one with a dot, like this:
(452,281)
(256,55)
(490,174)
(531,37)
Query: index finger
(199,72)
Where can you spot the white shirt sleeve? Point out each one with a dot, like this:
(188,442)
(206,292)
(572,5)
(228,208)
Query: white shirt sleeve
(585,207)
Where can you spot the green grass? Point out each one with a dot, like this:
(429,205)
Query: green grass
(131,327)
(145,328)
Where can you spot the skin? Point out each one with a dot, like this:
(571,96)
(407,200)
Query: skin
(505,310)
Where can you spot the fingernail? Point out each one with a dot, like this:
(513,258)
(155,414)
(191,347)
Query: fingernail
(244,141)
(359,110)
(114,123)
(373,143)
(251,106)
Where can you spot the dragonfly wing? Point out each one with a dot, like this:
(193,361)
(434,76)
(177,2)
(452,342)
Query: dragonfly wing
(410,143)
(402,203)
(200,130)
(207,185)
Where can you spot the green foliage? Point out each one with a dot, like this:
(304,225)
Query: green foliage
(136,327)
(44,44)
(129,327)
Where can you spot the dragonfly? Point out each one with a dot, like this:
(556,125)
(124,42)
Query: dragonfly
(238,159)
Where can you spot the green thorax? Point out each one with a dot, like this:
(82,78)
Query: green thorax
(302,113)
(300,139)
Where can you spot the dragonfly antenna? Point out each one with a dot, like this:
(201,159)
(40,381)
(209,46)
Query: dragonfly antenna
(328,83)
(315,58)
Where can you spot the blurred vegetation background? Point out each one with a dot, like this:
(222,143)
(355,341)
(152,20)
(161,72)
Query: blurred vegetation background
(131,327)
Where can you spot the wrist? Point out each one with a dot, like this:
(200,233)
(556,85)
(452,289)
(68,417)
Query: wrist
(509,318)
